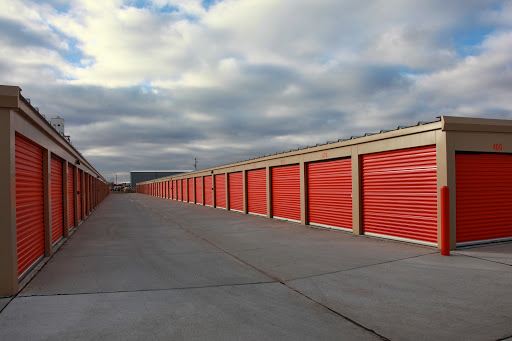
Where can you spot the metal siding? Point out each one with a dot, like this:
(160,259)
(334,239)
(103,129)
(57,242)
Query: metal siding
(29,203)
(190,182)
(71,197)
(257,191)
(79,196)
(220,190)
(400,193)
(286,192)
(57,200)
(484,196)
(208,193)
(199,191)
(329,193)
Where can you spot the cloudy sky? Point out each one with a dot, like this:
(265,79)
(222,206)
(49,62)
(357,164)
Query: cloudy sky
(153,84)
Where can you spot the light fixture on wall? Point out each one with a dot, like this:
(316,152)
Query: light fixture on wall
(77,162)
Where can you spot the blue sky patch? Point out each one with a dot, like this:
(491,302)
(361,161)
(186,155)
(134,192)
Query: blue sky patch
(208,3)
(467,43)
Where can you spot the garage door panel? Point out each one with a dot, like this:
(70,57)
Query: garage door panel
(286,192)
(329,193)
(257,191)
(199,190)
(57,199)
(190,183)
(208,193)
(399,192)
(79,196)
(180,190)
(236,194)
(484,197)
(220,190)
(29,202)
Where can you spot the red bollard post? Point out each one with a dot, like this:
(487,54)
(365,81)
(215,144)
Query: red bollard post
(445,221)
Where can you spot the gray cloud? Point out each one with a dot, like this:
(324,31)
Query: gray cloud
(225,87)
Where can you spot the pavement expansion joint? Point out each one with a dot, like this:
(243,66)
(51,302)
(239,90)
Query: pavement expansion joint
(483,259)
(149,290)
(336,312)
(5,306)
(360,267)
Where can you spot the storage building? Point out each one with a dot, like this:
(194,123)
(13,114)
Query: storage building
(385,184)
(49,189)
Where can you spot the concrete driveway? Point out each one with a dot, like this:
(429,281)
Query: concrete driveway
(145,268)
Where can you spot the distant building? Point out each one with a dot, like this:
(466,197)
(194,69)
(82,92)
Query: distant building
(58,124)
(146,175)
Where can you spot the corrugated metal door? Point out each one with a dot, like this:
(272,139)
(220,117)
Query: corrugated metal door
(29,203)
(86,193)
(220,190)
(79,196)
(71,196)
(190,182)
(89,194)
(174,190)
(208,193)
(286,192)
(180,189)
(57,199)
(185,190)
(199,190)
(236,191)
(329,193)
(484,197)
(400,194)
(257,191)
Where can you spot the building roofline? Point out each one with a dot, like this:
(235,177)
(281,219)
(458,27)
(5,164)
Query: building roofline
(161,171)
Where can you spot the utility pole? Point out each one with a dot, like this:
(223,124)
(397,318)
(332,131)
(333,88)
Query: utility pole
(195,163)
(116,179)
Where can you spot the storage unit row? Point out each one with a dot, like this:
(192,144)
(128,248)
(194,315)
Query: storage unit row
(49,188)
(384,185)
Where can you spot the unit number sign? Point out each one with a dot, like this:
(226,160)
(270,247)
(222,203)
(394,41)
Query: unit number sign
(497,146)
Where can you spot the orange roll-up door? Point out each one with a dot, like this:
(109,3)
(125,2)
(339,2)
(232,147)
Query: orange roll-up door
(86,193)
(208,193)
(199,190)
(236,191)
(190,183)
(29,203)
(329,193)
(220,190)
(286,192)
(79,196)
(71,196)
(257,191)
(180,189)
(185,190)
(400,194)
(57,200)
(174,190)
(484,197)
